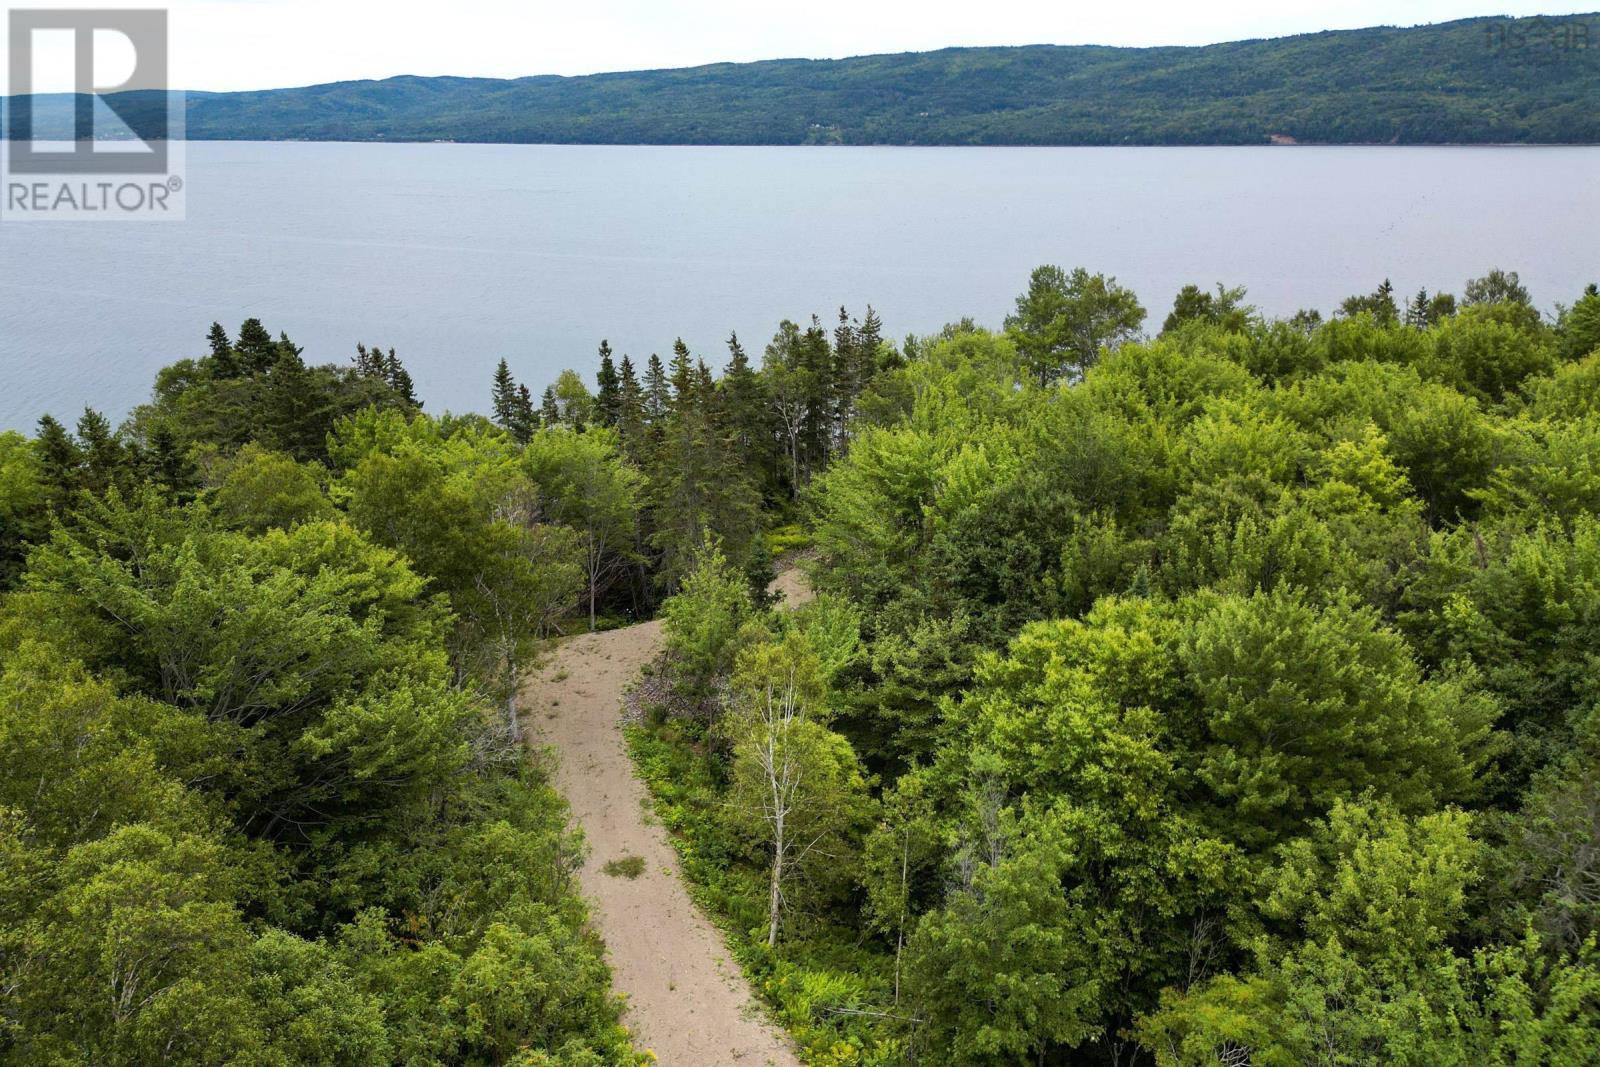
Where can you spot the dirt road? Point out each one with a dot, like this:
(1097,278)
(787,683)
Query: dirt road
(687,1000)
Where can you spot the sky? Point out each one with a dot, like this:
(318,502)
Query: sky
(259,44)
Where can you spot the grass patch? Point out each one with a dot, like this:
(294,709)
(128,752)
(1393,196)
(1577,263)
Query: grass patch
(629,867)
(782,540)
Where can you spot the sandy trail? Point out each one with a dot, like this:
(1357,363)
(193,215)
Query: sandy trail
(687,1000)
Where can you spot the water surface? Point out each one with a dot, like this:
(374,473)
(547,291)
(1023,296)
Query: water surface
(458,255)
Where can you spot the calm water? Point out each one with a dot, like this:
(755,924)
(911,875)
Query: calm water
(458,255)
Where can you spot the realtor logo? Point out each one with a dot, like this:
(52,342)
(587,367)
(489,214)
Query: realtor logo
(128,134)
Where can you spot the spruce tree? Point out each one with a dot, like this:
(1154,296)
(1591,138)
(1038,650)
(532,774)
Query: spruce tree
(526,418)
(399,379)
(59,456)
(657,395)
(169,465)
(103,454)
(256,350)
(746,420)
(630,412)
(607,400)
(869,339)
(369,361)
(287,416)
(698,492)
(504,397)
(224,363)
(681,376)
(1417,310)
(549,410)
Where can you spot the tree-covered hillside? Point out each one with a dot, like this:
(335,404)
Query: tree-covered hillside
(1477,81)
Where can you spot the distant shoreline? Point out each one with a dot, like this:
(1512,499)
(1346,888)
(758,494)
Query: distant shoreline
(1446,84)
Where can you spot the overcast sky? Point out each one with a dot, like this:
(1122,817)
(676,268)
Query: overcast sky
(253,44)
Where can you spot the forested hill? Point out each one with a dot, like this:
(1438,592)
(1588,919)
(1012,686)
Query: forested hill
(1479,81)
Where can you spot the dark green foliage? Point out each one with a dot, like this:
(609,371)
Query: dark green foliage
(260,390)
(1379,304)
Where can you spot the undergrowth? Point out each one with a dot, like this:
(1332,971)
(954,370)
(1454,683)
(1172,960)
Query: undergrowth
(825,987)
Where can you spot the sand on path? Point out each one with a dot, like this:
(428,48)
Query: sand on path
(688,1002)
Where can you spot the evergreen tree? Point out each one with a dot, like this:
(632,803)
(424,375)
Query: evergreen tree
(681,377)
(169,465)
(504,398)
(399,379)
(549,410)
(527,419)
(607,399)
(369,361)
(657,394)
(630,412)
(699,494)
(103,455)
(1417,310)
(60,458)
(869,339)
(224,363)
(256,352)
(745,418)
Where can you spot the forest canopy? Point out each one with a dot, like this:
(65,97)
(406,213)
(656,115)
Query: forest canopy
(1222,695)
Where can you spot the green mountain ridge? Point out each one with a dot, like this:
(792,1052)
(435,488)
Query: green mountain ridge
(1474,81)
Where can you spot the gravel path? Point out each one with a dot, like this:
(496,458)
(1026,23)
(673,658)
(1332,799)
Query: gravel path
(687,1000)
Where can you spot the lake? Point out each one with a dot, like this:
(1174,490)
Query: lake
(458,255)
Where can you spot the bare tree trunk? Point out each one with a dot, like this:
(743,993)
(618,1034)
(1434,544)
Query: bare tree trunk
(775,892)
(511,700)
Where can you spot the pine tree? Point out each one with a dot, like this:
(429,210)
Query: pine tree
(869,338)
(607,400)
(549,410)
(525,415)
(699,493)
(224,363)
(1417,311)
(657,395)
(745,417)
(504,397)
(103,455)
(681,377)
(169,465)
(630,412)
(399,379)
(369,361)
(59,456)
(703,387)
(287,419)
(256,351)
